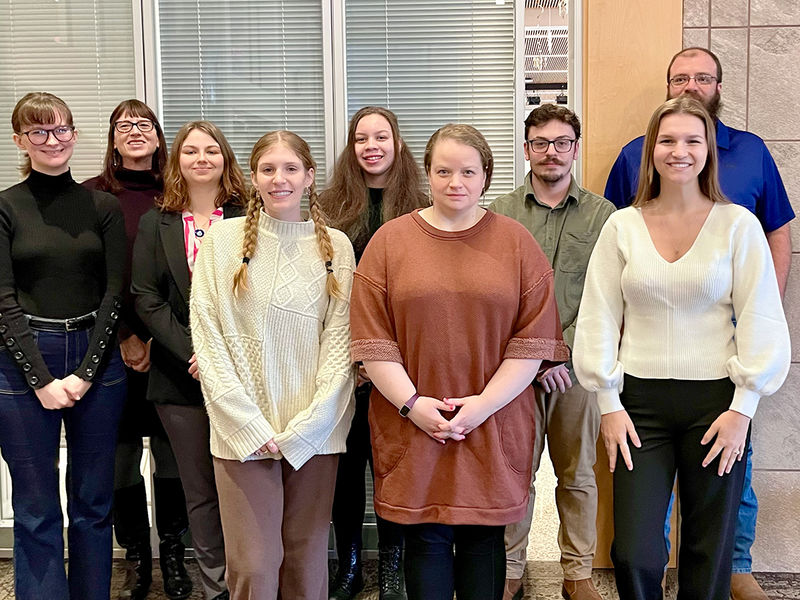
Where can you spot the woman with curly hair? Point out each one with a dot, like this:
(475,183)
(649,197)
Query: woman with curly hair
(203,186)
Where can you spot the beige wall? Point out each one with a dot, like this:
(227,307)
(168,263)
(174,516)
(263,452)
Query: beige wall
(758,43)
(627,46)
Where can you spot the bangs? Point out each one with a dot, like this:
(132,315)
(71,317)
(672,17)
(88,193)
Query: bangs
(134,108)
(44,114)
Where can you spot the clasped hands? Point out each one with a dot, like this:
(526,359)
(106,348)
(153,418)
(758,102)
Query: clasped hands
(63,393)
(427,415)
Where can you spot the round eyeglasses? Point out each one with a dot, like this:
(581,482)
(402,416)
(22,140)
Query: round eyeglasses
(540,146)
(699,79)
(38,137)
(145,126)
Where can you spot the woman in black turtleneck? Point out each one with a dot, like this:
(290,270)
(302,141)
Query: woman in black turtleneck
(62,252)
(135,158)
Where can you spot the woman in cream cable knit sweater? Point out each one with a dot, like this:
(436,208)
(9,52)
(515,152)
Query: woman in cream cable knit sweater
(690,277)
(270,326)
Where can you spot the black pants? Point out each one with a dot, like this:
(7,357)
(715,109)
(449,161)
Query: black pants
(475,571)
(349,502)
(130,515)
(671,417)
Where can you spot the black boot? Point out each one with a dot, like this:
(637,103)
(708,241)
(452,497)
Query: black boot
(172,523)
(139,573)
(132,530)
(390,573)
(177,583)
(349,580)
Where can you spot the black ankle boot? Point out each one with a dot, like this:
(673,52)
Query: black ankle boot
(349,580)
(139,572)
(390,573)
(177,583)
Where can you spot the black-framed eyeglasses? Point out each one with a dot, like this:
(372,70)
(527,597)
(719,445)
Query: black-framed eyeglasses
(700,79)
(145,126)
(38,137)
(540,145)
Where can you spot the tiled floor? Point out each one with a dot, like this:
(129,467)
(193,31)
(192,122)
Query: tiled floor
(543,582)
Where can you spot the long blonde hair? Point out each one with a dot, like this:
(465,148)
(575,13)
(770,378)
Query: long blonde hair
(296,144)
(649,179)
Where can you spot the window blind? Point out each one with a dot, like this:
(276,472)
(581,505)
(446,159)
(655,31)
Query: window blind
(248,66)
(432,63)
(81,51)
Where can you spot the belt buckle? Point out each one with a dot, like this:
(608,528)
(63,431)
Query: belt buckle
(71,324)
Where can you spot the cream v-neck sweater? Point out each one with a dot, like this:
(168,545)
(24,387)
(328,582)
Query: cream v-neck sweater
(274,362)
(715,312)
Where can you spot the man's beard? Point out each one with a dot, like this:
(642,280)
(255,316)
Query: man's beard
(551,177)
(713,105)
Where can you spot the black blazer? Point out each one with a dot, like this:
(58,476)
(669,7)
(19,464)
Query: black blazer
(160,284)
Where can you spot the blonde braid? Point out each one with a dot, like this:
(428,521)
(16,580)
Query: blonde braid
(323,242)
(249,244)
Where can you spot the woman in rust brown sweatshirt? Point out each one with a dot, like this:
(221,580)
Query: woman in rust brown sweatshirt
(452,314)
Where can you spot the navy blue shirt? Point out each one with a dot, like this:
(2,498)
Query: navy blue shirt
(747,174)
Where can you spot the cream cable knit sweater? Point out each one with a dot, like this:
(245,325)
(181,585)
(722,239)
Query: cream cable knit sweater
(274,362)
(678,316)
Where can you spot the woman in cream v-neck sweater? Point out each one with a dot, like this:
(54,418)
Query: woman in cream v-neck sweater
(680,332)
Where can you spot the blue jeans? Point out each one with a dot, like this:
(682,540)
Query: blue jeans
(745,522)
(29,439)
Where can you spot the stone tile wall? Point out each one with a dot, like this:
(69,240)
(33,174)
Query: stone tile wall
(758,43)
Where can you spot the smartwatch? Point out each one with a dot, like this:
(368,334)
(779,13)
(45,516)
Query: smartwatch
(406,408)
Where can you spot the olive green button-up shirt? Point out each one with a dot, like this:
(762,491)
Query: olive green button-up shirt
(566,233)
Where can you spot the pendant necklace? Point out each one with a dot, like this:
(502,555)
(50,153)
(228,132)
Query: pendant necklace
(200,231)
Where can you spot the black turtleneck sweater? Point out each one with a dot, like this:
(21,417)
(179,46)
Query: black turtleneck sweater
(62,255)
(137,196)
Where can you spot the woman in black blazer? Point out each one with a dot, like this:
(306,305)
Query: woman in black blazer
(202,184)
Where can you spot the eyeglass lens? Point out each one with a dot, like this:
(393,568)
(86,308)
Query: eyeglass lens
(38,137)
(125,126)
(540,146)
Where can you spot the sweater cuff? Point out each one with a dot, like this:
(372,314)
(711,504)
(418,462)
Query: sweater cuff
(294,449)
(745,401)
(608,400)
(250,438)
(375,349)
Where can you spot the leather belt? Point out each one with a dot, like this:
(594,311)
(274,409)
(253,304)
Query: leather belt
(71,324)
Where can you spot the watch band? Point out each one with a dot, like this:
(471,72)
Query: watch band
(406,408)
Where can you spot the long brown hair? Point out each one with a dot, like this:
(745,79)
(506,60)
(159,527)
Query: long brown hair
(344,201)
(296,144)
(232,188)
(113,161)
(469,136)
(38,107)
(649,179)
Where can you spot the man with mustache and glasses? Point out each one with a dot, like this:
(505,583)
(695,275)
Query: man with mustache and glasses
(749,177)
(565,219)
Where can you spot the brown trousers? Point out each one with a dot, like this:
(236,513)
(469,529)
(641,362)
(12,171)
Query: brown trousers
(188,430)
(571,422)
(276,521)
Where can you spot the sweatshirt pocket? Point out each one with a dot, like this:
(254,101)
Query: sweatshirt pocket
(389,434)
(515,423)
